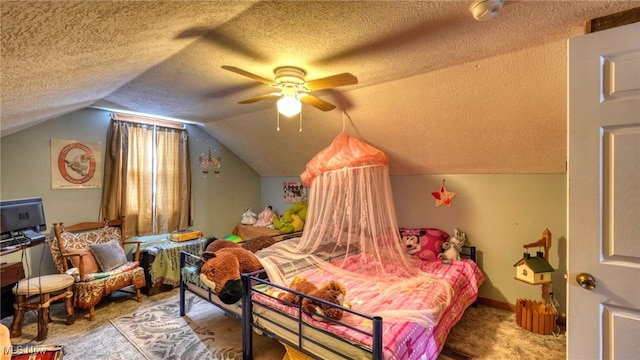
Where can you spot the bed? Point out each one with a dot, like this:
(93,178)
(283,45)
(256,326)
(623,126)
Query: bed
(403,303)
(359,335)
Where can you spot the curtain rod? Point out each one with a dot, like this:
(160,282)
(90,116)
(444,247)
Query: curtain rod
(148,120)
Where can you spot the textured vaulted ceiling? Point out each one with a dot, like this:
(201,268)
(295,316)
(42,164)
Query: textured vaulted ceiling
(438,91)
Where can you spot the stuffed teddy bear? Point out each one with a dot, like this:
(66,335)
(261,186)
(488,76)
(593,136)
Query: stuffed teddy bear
(222,263)
(333,292)
(300,284)
(249,217)
(453,246)
(293,219)
(265,218)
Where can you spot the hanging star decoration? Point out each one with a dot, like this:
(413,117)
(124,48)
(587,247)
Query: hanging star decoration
(443,196)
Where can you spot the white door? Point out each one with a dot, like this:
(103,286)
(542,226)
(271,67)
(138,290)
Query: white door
(604,195)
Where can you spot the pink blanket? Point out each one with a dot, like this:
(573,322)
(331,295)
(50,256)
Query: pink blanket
(402,340)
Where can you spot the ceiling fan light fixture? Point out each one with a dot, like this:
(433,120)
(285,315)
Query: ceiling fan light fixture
(483,10)
(289,105)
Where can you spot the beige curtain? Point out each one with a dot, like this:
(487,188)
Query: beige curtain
(147,177)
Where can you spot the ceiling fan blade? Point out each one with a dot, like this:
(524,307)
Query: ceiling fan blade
(316,102)
(331,82)
(258,98)
(248,74)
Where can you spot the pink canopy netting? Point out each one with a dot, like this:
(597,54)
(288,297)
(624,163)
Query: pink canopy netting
(351,235)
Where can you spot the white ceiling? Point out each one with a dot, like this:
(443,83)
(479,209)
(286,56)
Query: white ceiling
(438,91)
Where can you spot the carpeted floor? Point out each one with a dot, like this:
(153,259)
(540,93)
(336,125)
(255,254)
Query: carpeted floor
(482,333)
(488,333)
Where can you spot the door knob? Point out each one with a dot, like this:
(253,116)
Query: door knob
(586,281)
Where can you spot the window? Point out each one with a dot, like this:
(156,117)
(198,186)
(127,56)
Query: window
(147,175)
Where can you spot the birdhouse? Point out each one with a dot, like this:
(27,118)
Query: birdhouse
(533,270)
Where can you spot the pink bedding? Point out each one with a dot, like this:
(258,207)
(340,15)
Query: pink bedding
(402,340)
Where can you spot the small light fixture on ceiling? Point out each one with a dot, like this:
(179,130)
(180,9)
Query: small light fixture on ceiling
(289,104)
(483,10)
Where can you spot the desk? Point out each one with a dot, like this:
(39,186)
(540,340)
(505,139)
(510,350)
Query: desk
(10,273)
(161,263)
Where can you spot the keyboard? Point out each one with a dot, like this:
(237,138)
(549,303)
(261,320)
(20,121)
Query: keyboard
(14,242)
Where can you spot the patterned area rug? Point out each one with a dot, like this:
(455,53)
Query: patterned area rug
(483,333)
(205,332)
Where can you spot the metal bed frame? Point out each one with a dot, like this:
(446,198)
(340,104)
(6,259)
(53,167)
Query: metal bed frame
(251,320)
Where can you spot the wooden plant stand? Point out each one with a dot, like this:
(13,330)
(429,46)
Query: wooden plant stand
(537,316)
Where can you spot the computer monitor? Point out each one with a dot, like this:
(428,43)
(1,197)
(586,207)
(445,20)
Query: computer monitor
(22,215)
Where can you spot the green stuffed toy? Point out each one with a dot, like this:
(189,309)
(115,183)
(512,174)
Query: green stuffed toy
(293,219)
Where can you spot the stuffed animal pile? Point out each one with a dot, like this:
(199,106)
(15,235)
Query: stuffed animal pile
(333,292)
(293,219)
(224,261)
(453,246)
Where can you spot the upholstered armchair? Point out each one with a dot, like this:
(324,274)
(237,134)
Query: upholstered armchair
(94,254)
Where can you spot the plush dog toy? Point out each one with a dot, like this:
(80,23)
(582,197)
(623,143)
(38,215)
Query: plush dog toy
(223,261)
(453,246)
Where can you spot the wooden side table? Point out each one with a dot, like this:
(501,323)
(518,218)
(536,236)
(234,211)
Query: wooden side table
(37,294)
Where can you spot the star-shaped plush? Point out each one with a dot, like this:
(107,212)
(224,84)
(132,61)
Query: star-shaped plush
(443,196)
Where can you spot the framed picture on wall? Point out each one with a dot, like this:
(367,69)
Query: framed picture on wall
(75,164)
(294,191)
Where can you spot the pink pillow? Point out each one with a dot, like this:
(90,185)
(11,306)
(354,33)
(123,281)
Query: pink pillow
(425,243)
(89,263)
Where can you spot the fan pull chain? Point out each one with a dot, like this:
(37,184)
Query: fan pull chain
(277,120)
(300,121)
(344,120)
(345,117)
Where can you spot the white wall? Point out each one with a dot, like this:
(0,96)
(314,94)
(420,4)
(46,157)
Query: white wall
(500,213)
(25,164)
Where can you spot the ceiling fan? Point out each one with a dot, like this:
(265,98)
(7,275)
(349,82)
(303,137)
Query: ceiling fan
(293,89)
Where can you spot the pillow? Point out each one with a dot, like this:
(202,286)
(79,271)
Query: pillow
(109,255)
(425,243)
(89,263)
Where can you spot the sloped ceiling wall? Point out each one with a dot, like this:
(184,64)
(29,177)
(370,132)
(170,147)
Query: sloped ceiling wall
(439,91)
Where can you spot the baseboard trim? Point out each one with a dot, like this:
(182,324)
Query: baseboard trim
(497,304)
